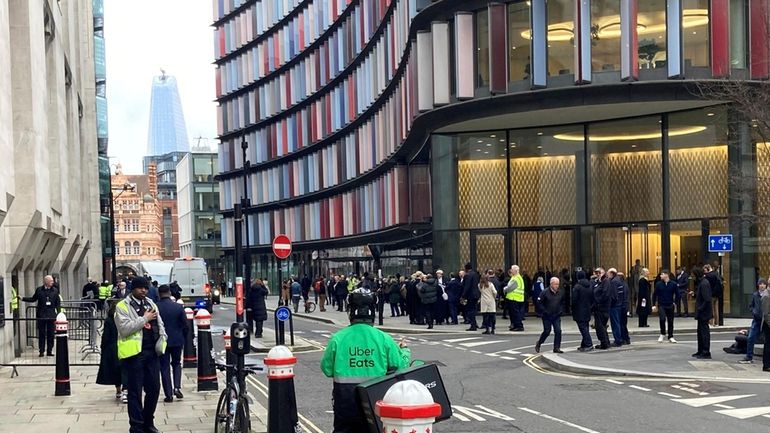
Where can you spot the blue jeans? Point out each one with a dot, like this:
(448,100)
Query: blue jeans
(756,327)
(548,323)
(615,325)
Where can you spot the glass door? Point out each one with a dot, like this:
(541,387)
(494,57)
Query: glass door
(488,250)
(545,249)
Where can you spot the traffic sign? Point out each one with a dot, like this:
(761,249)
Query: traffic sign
(283,313)
(720,243)
(282,246)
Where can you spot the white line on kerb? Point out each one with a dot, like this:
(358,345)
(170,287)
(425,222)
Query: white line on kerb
(560,421)
(639,388)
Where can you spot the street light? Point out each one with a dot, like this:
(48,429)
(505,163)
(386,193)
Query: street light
(126,187)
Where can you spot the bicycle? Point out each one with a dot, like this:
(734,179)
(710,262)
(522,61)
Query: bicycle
(309,307)
(232,415)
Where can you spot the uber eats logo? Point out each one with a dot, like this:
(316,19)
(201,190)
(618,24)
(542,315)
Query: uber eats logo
(360,358)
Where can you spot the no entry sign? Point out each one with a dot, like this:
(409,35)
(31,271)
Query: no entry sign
(282,246)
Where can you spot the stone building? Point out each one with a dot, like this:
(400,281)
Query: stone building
(138,231)
(49,180)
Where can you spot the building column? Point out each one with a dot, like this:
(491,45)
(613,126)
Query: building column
(445,197)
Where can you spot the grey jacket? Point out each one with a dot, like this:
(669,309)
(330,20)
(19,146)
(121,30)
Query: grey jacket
(129,322)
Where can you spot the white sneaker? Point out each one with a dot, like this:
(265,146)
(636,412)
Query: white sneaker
(661,339)
(124,397)
(672,340)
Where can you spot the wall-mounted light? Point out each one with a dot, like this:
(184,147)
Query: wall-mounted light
(673,132)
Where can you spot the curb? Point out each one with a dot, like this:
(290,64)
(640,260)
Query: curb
(562,364)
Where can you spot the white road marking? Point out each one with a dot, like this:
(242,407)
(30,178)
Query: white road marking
(509,351)
(666,394)
(457,340)
(639,388)
(496,414)
(560,421)
(724,406)
(708,401)
(746,413)
(493,354)
(460,417)
(766,416)
(467,412)
(507,358)
(479,412)
(616,382)
(690,390)
(526,355)
(691,385)
(481,343)
(476,351)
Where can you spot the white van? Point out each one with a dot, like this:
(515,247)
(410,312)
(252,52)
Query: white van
(190,273)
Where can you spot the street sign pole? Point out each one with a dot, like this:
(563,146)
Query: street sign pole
(238,232)
(282,251)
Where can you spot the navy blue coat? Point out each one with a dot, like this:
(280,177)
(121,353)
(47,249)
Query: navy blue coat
(454,290)
(174,320)
(666,294)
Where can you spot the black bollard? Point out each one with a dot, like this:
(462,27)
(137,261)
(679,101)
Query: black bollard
(62,357)
(229,357)
(189,359)
(282,401)
(207,374)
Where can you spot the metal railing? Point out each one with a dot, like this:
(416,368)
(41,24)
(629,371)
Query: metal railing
(84,319)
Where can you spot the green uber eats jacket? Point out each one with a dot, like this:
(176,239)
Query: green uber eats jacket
(361,352)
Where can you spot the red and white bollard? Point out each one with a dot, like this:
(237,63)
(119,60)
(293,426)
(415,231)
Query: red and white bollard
(407,407)
(282,401)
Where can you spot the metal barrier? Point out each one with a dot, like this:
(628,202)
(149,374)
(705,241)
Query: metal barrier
(84,322)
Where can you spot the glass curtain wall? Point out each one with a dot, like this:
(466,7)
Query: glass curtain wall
(605,35)
(482,48)
(738,34)
(651,32)
(561,37)
(519,41)
(695,33)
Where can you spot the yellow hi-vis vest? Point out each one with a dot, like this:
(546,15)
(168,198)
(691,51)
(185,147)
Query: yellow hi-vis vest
(105,292)
(517,294)
(132,344)
(14,299)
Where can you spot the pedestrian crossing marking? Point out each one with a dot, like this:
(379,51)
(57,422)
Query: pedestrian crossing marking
(708,401)
(482,343)
(724,406)
(639,388)
(746,413)
(493,354)
(666,394)
(458,340)
(509,352)
(476,351)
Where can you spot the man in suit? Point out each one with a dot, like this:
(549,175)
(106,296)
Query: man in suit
(48,303)
(472,295)
(175,320)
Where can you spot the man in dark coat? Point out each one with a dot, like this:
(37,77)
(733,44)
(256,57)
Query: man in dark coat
(602,301)
(256,307)
(682,281)
(582,304)
(175,320)
(48,303)
(341,292)
(717,291)
(454,290)
(428,292)
(471,294)
(703,313)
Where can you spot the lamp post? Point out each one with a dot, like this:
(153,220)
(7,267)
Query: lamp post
(126,187)
(245,204)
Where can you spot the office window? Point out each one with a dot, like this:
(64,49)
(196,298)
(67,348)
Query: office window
(136,225)
(126,225)
(695,33)
(136,248)
(738,32)
(519,41)
(605,35)
(561,37)
(651,30)
(127,246)
(482,48)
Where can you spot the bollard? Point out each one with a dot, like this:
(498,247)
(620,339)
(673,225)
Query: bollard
(62,357)
(282,401)
(229,358)
(207,374)
(189,358)
(407,407)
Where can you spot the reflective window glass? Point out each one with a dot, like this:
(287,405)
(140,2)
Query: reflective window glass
(651,31)
(605,35)
(519,41)
(695,32)
(625,170)
(561,37)
(738,32)
(482,48)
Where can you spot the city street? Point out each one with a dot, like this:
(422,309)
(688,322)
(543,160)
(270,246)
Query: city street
(496,384)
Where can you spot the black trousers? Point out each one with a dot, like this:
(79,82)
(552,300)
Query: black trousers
(682,300)
(427,311)
(600,322)
(704,337)
(143,374)
(720,300)
(45,335)
(347,413)
(585,334)
(470,313)
(171,363)
(624,325)
(666,317)
(766,350)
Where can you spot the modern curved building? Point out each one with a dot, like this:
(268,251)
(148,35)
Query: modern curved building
(553,134)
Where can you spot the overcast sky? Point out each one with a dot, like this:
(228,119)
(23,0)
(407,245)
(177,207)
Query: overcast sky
(143,36)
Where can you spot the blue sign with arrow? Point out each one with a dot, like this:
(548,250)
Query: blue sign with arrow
(721,243)
(283,313)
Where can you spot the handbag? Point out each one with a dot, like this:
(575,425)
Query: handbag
(444,296)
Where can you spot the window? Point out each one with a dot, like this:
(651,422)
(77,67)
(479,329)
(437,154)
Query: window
(561,37)
(605,35)
(117,226)
(695,33)
(519,41)
(738,32)
(127,246)
(136,225)
(482,48)
(651,30)
(126,225)
(136,248)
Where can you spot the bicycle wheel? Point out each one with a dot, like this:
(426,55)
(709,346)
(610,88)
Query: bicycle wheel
(222,415)
(242,418)
(310,307)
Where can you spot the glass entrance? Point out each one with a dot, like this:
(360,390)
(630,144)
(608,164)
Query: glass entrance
(546,250)
(621,247)
(488,251)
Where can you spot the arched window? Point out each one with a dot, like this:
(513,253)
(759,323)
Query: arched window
(127,245)
(136,248)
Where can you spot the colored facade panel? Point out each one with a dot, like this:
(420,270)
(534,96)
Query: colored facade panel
(719,21)
(498,59)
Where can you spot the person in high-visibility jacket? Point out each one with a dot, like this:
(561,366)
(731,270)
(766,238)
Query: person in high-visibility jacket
(14,302)
(356,354)
(514,294)
(105,291)
(141,340)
